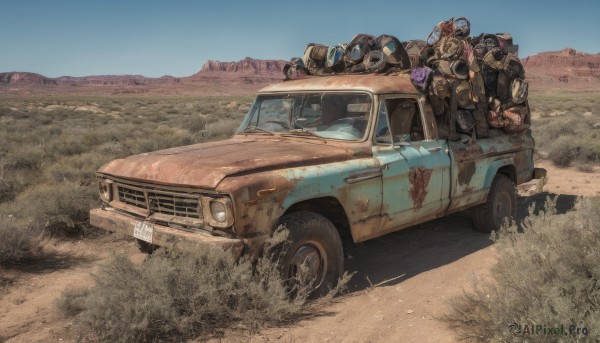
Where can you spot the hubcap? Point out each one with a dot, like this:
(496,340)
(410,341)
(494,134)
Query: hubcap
(312,257)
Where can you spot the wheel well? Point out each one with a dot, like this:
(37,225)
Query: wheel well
(509,171)
(328,207)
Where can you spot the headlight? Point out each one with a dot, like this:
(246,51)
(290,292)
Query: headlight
(218,211)
(105,189)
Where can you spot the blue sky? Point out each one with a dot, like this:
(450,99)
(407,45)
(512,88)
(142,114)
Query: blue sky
(155,38)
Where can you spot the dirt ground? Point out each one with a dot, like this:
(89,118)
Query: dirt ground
(401,288)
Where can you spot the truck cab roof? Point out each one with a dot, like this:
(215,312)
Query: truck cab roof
(372,83)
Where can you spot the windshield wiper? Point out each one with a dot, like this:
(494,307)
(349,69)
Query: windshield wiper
(256,129)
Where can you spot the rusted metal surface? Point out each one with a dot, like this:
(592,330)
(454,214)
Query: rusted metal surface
(205,165)
(466,170)
(476,164)
(376,84)
(374,189)
(162,235)
(419,179)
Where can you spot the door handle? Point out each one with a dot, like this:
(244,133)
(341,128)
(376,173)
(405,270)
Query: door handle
(436,149)
(364,175)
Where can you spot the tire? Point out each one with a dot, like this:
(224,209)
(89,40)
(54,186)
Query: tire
(375,61)
(314,240)
(501,204)
(146,247)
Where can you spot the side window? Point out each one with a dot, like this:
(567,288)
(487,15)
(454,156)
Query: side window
(382,132)
(405,120)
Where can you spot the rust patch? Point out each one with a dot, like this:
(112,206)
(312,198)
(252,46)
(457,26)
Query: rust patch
(466,170)
(205,165)
(466,152)
(419,179)
(362,205)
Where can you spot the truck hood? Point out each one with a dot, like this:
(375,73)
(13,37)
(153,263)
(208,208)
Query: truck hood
(205,165)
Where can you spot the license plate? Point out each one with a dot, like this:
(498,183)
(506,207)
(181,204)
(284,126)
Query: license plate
(143,231)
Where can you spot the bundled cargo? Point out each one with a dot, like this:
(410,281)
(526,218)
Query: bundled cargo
(474,82)
(363,54)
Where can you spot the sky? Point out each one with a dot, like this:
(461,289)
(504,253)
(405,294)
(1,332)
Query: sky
(155,38)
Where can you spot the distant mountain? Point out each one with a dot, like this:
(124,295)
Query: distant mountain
(215,78)
(567,69)
(25,79)
(248,66)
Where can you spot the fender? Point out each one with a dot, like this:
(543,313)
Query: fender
(262,198)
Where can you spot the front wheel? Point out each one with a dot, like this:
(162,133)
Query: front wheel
(501,205)
(314,246)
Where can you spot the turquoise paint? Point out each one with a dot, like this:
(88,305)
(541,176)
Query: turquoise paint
(329,180)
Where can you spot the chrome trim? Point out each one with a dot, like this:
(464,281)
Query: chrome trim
(363,175)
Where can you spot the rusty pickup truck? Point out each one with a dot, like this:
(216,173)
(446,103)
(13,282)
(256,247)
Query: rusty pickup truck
(325,158)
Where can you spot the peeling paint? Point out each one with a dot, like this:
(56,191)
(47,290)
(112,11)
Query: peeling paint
(466,170)
(419,179)
(362,205)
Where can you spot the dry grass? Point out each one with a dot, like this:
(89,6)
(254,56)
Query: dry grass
(568,130)
(547,275)
(17,243)
(178,296)
(51,147)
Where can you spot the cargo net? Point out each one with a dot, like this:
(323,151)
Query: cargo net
(475,85)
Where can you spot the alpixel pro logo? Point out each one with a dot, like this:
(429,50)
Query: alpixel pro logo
(546,330)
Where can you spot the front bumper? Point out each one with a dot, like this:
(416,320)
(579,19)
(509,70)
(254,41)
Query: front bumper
(163,235)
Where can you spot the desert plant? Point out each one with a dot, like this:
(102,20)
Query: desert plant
(58,209)
(574,119)
(50,147)
(563,151)
(18,242)
(175,296)
(584,167)
(547,277)
(194,123)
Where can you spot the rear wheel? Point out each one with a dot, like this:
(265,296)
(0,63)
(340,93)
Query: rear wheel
(501,205)
(315,247)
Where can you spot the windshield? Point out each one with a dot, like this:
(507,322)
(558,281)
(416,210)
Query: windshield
(328,115)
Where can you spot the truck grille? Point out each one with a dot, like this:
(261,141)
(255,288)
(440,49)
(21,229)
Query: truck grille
(158,201)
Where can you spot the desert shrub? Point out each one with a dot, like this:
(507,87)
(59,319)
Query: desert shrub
(584,167)
(66,145)
(26,156)
(175,296)
(18,242)
(563,151)
(50,147)
(194,124)
(79,168)
(58,209)
(222,129)
(547,275)
(577,120)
